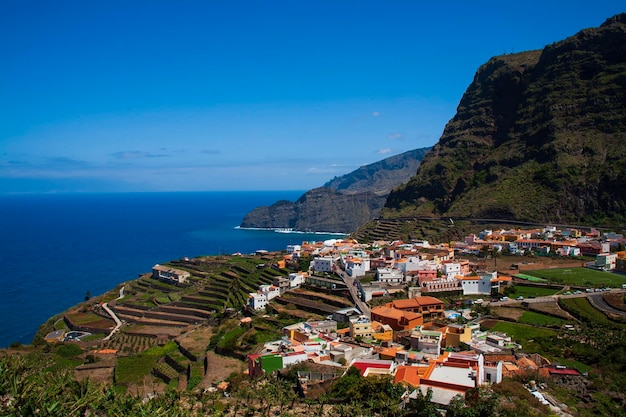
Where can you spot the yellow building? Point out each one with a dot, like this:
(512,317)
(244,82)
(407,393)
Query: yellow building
(361,327)
(457,334)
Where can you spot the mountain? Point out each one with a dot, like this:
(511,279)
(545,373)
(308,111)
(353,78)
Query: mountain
(342,204)
(538,136)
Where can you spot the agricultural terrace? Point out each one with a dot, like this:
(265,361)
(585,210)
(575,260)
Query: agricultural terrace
(581,277)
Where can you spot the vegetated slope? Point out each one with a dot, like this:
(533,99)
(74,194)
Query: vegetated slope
(538,136)
(342,204)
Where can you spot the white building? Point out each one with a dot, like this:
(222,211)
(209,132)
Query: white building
(451,269)
(477,284)
(414,263)
(270,291)
(323,264)
(606,261)
(257,300)
(568,251)
(296,279)
(294,249)
(169,274)
(356,267)
(389,276)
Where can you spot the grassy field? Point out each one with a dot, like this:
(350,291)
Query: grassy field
(583,310)
(132,369)
(528,336)
(532,317)
(526,291)
(580,276)
(530,278)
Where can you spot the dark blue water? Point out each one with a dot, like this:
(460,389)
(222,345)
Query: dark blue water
(55,248)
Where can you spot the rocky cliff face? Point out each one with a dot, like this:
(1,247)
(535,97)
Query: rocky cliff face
(538,136)
(342,204)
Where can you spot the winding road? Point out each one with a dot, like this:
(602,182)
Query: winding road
(118,322)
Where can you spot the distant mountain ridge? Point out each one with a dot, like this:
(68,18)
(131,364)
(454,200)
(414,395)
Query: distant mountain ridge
(343,203)
(538,136)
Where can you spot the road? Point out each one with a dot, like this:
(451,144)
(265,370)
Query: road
(118,322)
(349,281)
(595,298)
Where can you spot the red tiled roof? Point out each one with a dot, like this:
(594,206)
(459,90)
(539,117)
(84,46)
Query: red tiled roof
(362,365)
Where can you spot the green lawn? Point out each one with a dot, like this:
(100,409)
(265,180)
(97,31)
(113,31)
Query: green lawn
(529,278)
(525,334)
(532,317)
(580,277)
(526,291)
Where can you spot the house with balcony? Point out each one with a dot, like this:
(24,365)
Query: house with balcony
(430,308)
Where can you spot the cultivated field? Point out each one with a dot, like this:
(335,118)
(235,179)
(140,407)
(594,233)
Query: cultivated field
(582,277)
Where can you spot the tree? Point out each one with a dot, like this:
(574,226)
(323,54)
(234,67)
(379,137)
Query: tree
(87,295)
(422,405)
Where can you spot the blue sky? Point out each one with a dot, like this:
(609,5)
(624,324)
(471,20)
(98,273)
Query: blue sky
(108,96)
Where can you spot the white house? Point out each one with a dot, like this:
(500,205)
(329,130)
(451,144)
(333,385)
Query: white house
(389,276)
(568,251)
(257,300)
(414,263)
(323,264)
(296,279)
(270,291)
(355,267)
(480,284)
(293,249)
(451,269)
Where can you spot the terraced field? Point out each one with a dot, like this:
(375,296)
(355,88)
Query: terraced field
(214,286)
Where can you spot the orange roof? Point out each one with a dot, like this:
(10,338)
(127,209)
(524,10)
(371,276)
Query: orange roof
(409,375)
(390,352)
(395,313)
(502,278)
(468,278)
(526,363)
(424,300)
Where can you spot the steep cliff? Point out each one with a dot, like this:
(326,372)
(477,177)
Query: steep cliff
(538,136)
(342,204)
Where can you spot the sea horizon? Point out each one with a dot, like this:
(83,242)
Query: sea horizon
(58,246)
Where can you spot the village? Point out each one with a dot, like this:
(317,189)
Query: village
(415,339)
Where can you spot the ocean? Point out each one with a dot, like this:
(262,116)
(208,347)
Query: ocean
(55,248)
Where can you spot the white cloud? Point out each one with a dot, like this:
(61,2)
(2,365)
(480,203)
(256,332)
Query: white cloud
(395,135)
(383,151)
(375,114)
